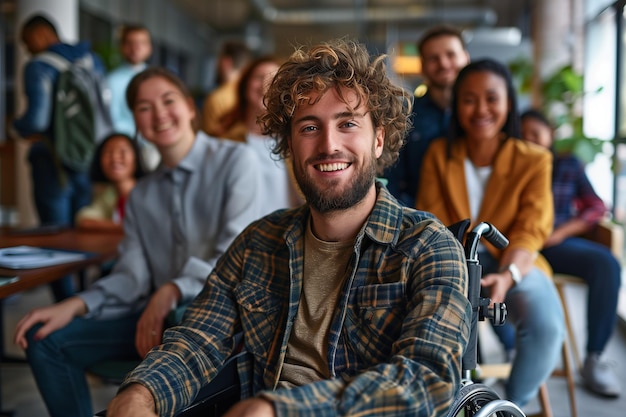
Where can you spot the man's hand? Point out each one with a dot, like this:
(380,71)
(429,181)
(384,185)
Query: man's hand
(252,407)
(150,325)
(53,317)
(499,284)
(134,401)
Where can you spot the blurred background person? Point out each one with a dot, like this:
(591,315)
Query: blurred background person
(483,172)
(577,209)
(115,169)
(241,124)
(136,48)
(232,59)
(442,54)
(58,191)
(178,222)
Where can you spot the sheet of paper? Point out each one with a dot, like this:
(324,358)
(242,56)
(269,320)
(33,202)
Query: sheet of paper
(25,257)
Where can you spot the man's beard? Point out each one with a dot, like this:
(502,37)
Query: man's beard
(332,199)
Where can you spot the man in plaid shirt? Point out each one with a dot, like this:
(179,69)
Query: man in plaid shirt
(348,305)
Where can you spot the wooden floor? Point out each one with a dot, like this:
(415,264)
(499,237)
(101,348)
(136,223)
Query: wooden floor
(20,394)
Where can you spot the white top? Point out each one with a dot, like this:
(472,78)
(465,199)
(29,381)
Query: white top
(275,188)
(476,181)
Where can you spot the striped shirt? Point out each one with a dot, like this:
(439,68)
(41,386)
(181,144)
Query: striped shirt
(395,341)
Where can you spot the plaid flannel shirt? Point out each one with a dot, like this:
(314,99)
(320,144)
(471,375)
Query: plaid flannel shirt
(396,339)
(573,194)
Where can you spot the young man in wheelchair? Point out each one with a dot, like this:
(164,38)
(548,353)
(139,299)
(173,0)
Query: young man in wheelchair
(350,304)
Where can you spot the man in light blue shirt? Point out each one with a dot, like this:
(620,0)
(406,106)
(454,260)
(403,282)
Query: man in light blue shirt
(136,48)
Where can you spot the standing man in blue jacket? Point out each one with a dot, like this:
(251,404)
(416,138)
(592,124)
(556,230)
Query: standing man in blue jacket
(442,54)
(56,201)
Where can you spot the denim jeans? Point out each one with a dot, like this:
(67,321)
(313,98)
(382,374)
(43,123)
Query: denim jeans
(596,265)
(58,362)
(57,203)
(534,309)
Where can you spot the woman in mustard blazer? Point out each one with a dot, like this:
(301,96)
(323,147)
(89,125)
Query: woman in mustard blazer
(484,173)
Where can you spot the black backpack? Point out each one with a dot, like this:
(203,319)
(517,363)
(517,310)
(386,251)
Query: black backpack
(81,116)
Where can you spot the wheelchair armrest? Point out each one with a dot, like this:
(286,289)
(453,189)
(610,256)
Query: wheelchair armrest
(217,396)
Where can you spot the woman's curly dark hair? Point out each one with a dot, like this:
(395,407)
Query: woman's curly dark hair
(336,64)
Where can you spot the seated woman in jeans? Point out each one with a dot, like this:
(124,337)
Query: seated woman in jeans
(484,173)
(178,221)
(577,209)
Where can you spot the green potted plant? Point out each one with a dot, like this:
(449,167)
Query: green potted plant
(561,94)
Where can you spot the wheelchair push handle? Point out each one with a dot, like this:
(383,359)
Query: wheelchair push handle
(496,238)
(487,231)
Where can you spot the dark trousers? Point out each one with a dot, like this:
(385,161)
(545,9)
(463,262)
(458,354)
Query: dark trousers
(57,199)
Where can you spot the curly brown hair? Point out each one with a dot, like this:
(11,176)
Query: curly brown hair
(336,64)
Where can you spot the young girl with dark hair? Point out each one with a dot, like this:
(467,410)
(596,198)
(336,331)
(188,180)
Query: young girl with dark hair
(116,167)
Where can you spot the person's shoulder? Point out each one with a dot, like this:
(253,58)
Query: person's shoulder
(438,146)
(69,51)
(227,152)
(35,64)
(567,158)
(147,181)
(420,100)
(568,164)
(527,147)
(424,103)
(119,72)
(273,228)
(220,93)
(525,159)
(393,216)
(223,144)
(530,150)
(421,226)
(412,216)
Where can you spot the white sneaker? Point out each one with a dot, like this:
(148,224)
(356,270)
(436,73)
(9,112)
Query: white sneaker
(600,378)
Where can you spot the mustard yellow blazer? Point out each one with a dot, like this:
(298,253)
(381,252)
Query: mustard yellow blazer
(518,195)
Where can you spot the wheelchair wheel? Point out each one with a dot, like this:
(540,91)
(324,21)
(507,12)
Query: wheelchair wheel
(474,397)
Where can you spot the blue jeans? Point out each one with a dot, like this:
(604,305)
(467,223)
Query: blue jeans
(58,362)
(535,311)
(57,203)
(596,265)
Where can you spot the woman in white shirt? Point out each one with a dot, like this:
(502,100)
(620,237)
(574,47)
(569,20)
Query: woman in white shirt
(278,189)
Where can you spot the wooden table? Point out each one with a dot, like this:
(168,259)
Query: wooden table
(102,246)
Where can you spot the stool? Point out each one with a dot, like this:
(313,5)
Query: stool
(560,281)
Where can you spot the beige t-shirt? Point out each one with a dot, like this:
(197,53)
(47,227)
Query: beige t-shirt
(325,271)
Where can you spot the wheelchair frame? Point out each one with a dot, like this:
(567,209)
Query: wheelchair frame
(475,399)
